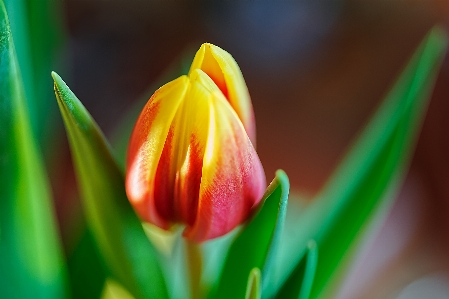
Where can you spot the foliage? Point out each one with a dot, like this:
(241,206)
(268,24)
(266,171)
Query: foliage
(279,252)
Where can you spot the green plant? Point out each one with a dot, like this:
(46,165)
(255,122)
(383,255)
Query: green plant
(257,260)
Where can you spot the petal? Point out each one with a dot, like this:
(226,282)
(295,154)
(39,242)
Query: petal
(221,67)
(233,180)
(180,174)
(151,132)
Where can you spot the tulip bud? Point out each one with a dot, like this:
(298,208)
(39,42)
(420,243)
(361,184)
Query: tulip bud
(191,162)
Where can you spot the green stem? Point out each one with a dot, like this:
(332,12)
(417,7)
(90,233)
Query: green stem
(195,268)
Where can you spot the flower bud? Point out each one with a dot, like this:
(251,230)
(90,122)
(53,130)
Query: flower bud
(190,160)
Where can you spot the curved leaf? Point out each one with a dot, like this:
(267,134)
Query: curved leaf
(31,262)
(118,233)
(255,246)
(370,173)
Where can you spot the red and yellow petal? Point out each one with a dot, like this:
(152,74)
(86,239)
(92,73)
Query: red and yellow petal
(221,67)
(233,180)
(146,146)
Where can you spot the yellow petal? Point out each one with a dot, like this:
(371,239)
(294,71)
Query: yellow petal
(146,145)
(221,67)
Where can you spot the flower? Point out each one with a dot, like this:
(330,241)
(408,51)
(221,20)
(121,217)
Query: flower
(190,160)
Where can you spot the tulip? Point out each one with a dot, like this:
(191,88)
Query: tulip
(190,160)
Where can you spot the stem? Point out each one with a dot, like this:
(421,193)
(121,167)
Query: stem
(195,268)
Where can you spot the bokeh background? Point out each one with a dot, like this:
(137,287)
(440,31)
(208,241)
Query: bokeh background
(316,71)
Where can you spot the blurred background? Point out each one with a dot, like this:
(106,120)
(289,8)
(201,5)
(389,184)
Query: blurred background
(316,71)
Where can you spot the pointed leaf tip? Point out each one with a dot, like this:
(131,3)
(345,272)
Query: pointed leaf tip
(253,290)
(282,177)
(310,269)
(61,88)
(56,78)
(71,105)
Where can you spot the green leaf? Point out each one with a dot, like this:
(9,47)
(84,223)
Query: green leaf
(17,12)
(253,288)
(369,175)
(127,252)
(309,271)
(36,27)
(299,283)
(31,263)
(255,246)
(86,270)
